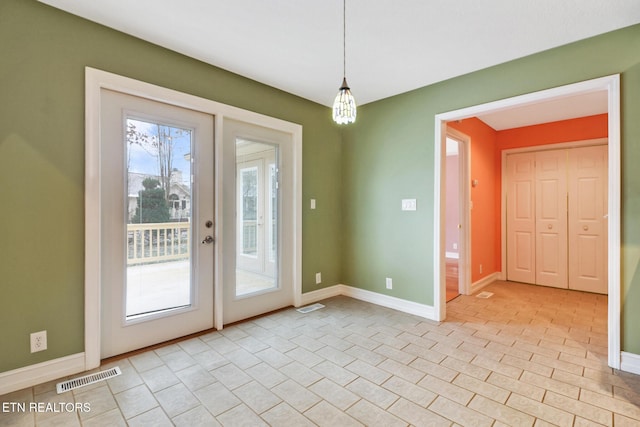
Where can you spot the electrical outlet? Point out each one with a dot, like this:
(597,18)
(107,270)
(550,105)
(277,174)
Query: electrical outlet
(38,341)
(318,278)
(455,246)
(389,283)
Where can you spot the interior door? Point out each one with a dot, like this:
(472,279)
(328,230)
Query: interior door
(156,222)
(551,218)
(521,217)
(588,219)
(258,220)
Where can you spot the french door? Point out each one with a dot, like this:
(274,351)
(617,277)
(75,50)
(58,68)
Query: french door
(258,220)
(156,222)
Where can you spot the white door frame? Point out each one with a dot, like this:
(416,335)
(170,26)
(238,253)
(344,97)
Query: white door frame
(464,179)
(611,84)
(95,81)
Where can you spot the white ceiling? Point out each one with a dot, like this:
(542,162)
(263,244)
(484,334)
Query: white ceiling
(393,46)
(564,108)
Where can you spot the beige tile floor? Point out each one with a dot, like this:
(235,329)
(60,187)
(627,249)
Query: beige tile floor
(527,356)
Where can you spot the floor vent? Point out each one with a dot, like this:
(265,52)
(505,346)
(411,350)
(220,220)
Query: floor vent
(484,295)
(309,308)
(87,379)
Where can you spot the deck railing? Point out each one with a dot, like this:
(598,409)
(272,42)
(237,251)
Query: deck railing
(155,242)
(249,237)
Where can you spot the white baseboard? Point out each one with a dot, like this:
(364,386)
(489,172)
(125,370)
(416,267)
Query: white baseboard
(399,304)
(630,362)
(39,373)
(320,294)
(476,286)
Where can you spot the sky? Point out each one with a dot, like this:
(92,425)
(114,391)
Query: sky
(142,158)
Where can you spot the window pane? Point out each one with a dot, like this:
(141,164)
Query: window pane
(257,217)
(158,218)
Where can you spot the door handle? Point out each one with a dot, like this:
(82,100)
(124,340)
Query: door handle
(208,240)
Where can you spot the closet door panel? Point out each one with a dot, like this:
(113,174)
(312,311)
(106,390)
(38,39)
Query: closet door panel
(551,218)
(521,217)
(587,219)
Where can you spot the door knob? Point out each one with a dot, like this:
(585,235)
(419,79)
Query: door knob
(208,240)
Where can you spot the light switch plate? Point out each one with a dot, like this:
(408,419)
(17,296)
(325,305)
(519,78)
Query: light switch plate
(409,205)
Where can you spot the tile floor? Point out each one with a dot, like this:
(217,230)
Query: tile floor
(526,356)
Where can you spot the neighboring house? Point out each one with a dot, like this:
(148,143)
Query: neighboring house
(179,195)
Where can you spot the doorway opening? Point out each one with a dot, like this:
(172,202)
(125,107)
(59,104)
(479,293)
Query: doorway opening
(457,221)
(569,95)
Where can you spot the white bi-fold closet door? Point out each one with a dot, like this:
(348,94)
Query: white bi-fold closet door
(557,218)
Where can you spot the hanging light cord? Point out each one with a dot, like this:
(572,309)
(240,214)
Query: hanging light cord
(344,38)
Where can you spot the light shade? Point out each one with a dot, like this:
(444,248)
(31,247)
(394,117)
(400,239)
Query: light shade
(344,106)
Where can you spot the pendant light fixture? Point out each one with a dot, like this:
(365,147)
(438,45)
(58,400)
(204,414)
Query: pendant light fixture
(344,106)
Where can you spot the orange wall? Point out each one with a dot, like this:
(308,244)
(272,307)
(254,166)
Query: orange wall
(552,133)
(487,145)
(484,244)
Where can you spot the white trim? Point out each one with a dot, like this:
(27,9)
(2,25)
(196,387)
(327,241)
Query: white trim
(615,217)
(39,373)
(297,194)
(95,81)
(320,294)
(612,85)
(399,304)
(403,305)
(451,255)
(439,233)
(476,286)
(630,362)
(218,303)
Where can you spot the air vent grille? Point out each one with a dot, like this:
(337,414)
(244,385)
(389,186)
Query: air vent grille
(484,295)
(87,379)
(309,308)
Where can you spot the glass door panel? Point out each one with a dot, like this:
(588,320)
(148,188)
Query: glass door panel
(158,217)
(260,219)
(257,216)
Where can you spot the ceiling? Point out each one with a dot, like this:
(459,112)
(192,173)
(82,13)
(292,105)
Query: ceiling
(392,46)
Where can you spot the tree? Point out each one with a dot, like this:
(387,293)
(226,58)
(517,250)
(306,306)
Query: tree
(152,203)
(160,144)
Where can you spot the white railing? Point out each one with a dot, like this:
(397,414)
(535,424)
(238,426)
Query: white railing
(155,242)
(249,236)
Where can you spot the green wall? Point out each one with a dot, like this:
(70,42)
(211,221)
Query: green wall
(389,155)
(43,55)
